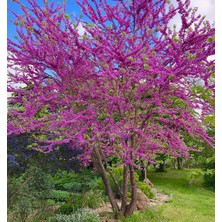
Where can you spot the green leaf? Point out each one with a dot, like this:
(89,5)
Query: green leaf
(146,66)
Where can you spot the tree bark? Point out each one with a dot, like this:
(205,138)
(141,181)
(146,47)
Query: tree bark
(97,161)
(119,192)
(124,188)
(179,163)
(131,206)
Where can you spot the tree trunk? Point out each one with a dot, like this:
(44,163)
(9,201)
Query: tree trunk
(131,206)
(161,167)
(125,188)
(145,173)
(102,172)
(119,191)
(174,164)
(179,163)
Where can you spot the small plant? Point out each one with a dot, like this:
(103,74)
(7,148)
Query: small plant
(192,175)
(83,215)
(66,208)
(72,186)
(73,202)
(51,202)
(59,195)
(92,199)
(146,189)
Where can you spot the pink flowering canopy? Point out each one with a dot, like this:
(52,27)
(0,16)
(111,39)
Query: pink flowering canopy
(123,87)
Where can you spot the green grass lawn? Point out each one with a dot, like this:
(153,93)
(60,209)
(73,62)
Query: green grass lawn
(188,204)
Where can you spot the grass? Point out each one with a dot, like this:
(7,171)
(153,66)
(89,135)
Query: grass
(189,203)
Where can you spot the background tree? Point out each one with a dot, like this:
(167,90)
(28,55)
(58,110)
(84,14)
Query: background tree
(111,91)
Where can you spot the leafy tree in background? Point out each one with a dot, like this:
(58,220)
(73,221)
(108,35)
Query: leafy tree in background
(21,156)
(112,90)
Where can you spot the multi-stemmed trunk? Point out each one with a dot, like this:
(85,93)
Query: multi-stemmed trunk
(97,161)
(128,176)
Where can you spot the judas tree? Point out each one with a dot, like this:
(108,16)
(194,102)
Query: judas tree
(112,90)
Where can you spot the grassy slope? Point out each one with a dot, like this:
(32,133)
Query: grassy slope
(189,204)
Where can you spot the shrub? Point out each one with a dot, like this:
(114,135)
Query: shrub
(28,193)
(209,172)
(74,201)
(59,195)
(72,186)
(66,208)
(92,199)
(193,175)
(22,209)
(209,178)
(83,215)
(64,178)
(80,182)
(51,202)
(146,189)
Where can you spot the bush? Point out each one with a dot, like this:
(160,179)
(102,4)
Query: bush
(72,186)
(51,202)
(146,189)
(59,195)
(193,175)
(83,215)
(92,199)
(209,178)
(28,194)
(209,173)
(80,182)
(66,208)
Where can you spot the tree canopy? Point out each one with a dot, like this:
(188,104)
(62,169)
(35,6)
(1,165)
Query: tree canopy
(122,89)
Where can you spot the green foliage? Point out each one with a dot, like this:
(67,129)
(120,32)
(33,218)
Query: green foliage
(209,121)
(75,182)
(92,199)
(76,190)
(22,209)
(66,208)
(211,39)
(59,195)
(192,175)
(209,173)
(72,186)
(83,215)
(209,178)
(144,216)
(51,202)
(146,189)
(161,161)
(146,67)
(28,194)
(113,161)
(118,175)
(75,200)
(205,94)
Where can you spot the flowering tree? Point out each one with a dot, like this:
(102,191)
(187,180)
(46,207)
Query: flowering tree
(122,89)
